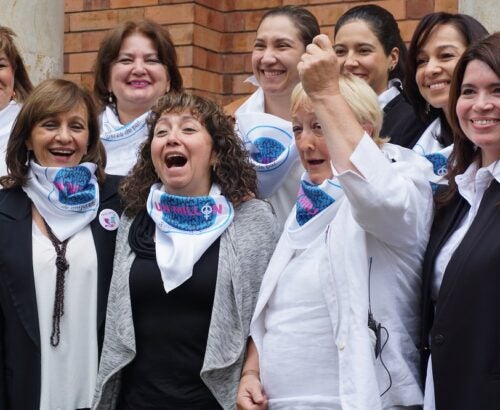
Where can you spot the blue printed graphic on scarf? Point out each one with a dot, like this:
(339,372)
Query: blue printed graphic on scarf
(439,163)
(310,201)
(267,150)
(73,186)
(188,214)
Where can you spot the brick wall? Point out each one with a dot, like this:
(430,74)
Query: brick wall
(213,37)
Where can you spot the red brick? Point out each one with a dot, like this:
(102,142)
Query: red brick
(95,20)
(171,14)
(91,40)
(210,39)
(181,34)
(256,4)
(95,4)
(72,42)
(207,81)
(450,6)
(80,62)
(121,4)
(209,18)
(73,5)
(235,63)
(187,77)
(213,4)
(184,56)
(66,23)
(416,9)
(241,42)
(131,14)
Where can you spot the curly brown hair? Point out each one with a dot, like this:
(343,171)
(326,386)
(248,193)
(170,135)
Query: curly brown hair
(232,171)
(50,98)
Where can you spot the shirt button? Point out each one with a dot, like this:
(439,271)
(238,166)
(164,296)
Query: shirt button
(341,345)
(438,339)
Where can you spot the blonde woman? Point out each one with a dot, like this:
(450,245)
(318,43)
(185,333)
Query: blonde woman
(340,298)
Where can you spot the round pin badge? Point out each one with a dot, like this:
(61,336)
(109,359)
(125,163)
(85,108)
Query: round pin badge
(109,219)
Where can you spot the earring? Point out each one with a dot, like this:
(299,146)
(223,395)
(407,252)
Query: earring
(110,97)
(427,108)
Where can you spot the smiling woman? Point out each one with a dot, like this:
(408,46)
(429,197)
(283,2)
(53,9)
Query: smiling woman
(368,44)
(461,287)
(57,258)
(263,120)
(193,245)
(136,65)
(436,46)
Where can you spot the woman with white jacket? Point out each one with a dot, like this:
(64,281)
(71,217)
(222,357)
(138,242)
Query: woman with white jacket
(336,325)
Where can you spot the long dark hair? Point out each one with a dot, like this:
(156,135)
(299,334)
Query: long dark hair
(464,153)
(232,171)
(471,31)
(385,28)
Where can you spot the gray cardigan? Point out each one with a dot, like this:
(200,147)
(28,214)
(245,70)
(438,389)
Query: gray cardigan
(245,249)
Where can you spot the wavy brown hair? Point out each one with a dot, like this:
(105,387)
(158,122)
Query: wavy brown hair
(110,48)
(22,82)
(464,152)
(232,171)
(48,99)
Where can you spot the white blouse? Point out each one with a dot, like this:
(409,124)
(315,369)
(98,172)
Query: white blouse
(299,359)
(68,371)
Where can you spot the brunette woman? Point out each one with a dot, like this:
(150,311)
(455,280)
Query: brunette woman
(263,120)
(58,218)
(136,64)
(436,46)
(368,44)
(192,248)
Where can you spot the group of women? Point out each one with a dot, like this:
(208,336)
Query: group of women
(141,262)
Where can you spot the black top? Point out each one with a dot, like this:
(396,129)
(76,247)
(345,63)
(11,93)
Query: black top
(464,324)
(401,123)
(171,329)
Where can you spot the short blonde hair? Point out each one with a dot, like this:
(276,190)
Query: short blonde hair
(359,96)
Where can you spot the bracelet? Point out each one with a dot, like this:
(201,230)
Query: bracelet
(249,372)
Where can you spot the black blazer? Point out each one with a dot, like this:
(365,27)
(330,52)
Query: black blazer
(401,123)
(464,325)
(20,367)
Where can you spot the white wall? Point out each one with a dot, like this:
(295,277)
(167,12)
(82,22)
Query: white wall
(486,11)
(39,26)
